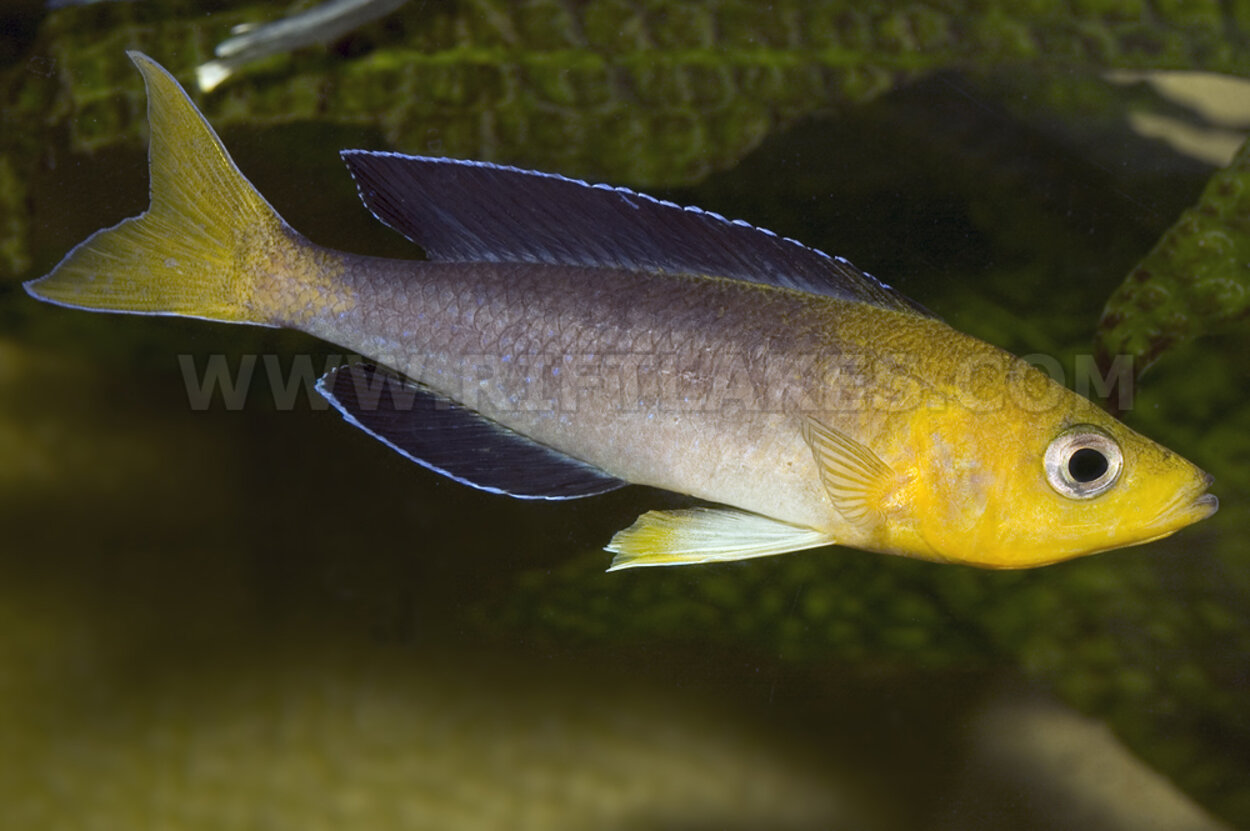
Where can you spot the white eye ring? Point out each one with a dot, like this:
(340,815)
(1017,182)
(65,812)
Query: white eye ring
(1083,462)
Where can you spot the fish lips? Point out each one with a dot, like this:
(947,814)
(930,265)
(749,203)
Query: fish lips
(1189,507)
(1207,503)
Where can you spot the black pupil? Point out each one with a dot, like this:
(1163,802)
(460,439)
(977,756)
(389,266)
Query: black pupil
(1086,465)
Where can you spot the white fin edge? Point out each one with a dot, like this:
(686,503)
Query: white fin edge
(707,535)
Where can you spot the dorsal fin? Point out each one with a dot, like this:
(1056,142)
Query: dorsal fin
(463,211)
(449,438)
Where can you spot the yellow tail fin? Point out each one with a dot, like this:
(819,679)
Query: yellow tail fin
(189,254)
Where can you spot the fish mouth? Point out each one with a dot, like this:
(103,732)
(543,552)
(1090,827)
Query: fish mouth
(1193,505)
(1189,506)
(1204,506)
(1205,503)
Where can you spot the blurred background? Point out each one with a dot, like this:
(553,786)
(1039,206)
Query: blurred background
(239,612)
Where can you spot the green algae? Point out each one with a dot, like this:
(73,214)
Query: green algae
(1195,281)
(649,95)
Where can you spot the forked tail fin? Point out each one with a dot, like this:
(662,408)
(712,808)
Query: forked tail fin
(191,253)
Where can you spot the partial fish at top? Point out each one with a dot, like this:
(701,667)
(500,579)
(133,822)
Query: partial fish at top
(322,23)
(563,339)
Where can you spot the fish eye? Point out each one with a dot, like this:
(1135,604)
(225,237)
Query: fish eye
(1082,462)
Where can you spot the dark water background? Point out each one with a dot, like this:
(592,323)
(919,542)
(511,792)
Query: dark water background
(261,618)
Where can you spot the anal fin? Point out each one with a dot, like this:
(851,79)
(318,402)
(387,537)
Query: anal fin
(462,444)
(707,535)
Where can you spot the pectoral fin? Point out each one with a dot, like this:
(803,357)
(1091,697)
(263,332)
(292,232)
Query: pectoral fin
(706,535)
(855,478)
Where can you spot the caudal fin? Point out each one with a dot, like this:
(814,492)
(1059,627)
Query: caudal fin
(192,252)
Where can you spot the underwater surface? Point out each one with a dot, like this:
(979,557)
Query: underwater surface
(237,611)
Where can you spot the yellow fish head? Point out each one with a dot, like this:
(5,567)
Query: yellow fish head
(1021,486)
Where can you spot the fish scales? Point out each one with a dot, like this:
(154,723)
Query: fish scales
(651,377)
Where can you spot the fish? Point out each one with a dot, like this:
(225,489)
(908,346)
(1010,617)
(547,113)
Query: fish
(322,23)
(562,340)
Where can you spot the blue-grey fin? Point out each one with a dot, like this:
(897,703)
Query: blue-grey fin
(449,438)
(464,211)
